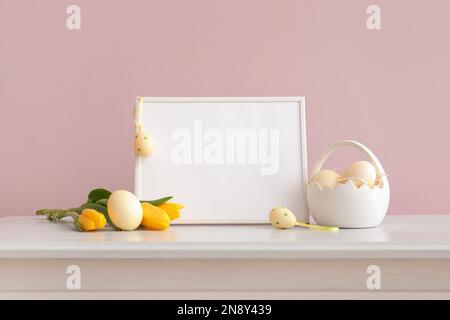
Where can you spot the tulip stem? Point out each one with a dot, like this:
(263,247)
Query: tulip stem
(57,214)
(72,214)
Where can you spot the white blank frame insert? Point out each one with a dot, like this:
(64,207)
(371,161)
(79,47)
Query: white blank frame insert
(228,160)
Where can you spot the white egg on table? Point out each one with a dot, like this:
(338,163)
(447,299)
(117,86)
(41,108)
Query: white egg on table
(124,210)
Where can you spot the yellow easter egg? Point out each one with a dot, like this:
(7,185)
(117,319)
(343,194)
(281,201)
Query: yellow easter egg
(143,145)
(282,218)
(361,170)
(326,178)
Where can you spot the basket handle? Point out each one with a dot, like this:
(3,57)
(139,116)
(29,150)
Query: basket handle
(370,155)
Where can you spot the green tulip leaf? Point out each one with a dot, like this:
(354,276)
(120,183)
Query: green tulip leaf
(102,202)
(98,194)
(157,202)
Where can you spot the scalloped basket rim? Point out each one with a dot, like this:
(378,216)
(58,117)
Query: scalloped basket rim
(347,186)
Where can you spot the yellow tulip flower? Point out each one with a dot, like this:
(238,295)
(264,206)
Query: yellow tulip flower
(172,209)
(154,218)
(89,220)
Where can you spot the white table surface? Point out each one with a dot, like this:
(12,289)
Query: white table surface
(402,237)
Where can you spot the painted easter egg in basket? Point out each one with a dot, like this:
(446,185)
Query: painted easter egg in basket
(356,198)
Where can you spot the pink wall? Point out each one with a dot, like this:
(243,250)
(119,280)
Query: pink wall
(66,96)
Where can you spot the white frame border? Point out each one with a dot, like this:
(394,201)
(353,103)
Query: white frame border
(304,158)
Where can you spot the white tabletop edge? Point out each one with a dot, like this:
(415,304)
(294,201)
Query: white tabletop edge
(400,237)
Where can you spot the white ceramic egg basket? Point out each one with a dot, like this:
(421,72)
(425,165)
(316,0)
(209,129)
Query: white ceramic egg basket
(347,206)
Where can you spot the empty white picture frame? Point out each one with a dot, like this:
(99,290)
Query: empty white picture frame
(228,160)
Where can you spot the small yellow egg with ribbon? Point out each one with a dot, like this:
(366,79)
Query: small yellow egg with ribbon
(283,218)
(143,145)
